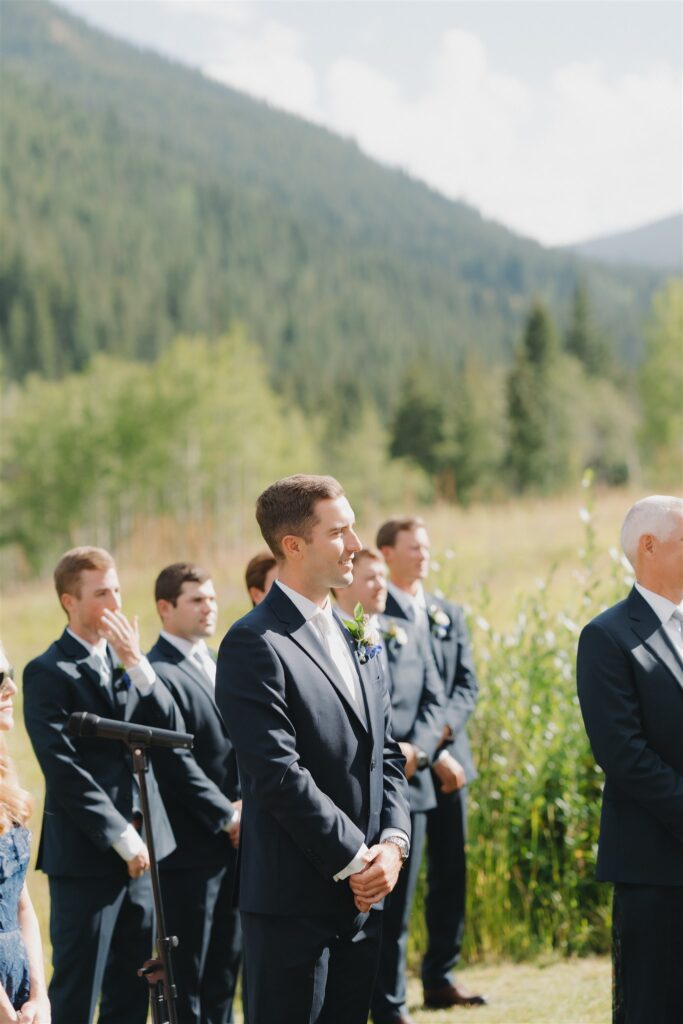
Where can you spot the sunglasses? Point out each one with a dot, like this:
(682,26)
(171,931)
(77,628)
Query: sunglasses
(5,678)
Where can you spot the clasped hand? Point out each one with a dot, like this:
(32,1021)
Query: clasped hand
(378,877)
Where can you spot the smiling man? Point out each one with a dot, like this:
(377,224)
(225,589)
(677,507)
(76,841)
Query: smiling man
(325,823)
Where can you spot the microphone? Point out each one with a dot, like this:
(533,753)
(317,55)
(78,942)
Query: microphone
(81,723)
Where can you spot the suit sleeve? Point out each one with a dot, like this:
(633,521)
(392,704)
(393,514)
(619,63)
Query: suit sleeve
(611,713)
(429,722)
(191,786)
(250,693)
(395,804)
(81,797)
(465,690)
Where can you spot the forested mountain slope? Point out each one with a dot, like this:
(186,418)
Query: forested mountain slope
(140,200)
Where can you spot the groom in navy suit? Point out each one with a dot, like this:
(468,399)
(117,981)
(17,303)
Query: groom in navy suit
(92,847)
(630,685)
(204,808)
(325,825)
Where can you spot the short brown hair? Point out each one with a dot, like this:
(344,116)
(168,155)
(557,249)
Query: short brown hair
(169,582)
(371,554)
(76,561)
(387,533)
(288,507)
(258,568)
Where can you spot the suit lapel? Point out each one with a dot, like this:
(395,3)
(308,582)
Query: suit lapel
(306,636)
(648,628)
(193,672)
(434,642)
(77,654)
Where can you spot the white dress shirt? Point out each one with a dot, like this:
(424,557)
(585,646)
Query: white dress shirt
(195,650)
(129,844)
(341,655)
(668,613)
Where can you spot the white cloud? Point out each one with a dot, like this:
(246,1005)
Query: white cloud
(268,63)
(588,154)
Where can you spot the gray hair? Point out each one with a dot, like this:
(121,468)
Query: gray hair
(655,515)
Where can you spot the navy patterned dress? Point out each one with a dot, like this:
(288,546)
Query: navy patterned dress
(14,857)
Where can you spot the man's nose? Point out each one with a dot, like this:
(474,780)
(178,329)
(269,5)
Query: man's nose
(353,542)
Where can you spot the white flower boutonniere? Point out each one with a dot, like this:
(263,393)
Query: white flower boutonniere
(365,638)
(396,635)
(439,622)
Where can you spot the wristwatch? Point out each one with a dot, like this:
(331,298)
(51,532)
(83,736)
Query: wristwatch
(421,760)
(403,846)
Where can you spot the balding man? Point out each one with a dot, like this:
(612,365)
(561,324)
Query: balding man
(630,684)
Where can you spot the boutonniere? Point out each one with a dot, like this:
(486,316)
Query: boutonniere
(120,679)
(438,621)
(365,637)
(395,634)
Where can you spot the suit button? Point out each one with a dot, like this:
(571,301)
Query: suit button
(372,765)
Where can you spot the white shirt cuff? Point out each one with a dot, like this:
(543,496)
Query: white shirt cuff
(129,844)
(394,832)
(354,866)
(443,753)
(142,676)
(233,823)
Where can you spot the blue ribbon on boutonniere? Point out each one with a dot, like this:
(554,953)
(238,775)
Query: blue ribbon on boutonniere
(120,683)
(365,638)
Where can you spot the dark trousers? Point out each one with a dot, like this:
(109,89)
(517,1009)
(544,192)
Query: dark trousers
(389,995)
(101,932)
(446,878)
(647,949)
(198,910)
(310,970)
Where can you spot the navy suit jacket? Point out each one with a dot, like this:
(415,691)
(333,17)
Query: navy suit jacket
(198,797)
(417,702)
(630,685)
(455,664)
(90,789)
(319,778)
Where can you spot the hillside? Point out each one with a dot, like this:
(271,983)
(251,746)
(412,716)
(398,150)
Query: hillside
(139,200)
(658,245)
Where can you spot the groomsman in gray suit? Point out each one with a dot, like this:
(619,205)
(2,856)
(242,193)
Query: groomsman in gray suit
(417,720)
(406,548)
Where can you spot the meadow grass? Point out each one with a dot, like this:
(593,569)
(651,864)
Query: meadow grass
(529,572)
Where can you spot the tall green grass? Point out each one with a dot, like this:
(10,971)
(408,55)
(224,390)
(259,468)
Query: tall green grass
(534,810)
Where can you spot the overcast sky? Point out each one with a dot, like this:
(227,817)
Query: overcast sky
(563,119)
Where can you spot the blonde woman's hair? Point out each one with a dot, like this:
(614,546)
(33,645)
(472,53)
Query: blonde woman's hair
(16,803)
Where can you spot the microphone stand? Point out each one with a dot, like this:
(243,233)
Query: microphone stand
(164,992)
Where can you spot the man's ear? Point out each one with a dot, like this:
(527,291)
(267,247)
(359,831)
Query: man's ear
(388,553)
(68,603)
(292,546)
(163,607)
(256,595)
(647,544)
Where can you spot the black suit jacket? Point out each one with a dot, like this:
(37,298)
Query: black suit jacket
(197,796)
(90,790)
(318,778)
(455,664)
(630,685)
(417,702)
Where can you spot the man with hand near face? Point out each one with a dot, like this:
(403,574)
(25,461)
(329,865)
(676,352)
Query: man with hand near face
(325,824)
(406,548)
(203,804)
(417,723)
(92,847)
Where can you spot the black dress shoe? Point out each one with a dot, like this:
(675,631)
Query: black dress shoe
(451,995)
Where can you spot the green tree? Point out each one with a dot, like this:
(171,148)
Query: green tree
(417,427)
(583,338)
(537,455)
(661,388)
